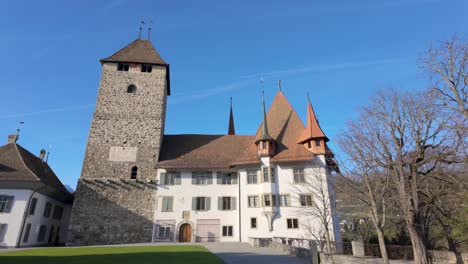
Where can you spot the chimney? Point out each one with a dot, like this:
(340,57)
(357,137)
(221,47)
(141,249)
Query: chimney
(12,138)
(42,154)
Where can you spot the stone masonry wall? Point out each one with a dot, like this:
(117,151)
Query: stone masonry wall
(109,207)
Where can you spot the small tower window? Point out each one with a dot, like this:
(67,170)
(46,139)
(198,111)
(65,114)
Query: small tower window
(131,88)
(309,145)
(264,145)
(134,173)
(146,68)
(317,143)
(123,67)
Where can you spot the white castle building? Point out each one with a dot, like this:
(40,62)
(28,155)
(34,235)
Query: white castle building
(139,184)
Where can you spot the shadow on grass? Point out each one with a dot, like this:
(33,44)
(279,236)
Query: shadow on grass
(133,258)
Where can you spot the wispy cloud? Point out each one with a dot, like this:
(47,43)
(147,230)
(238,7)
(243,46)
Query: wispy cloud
(180,98)
(251,79)
(48,111)
(319,68)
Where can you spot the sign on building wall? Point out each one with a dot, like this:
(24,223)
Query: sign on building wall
(186,215)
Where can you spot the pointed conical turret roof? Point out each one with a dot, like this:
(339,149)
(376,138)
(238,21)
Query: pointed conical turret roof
(313,129)
(231,129)
(139,51)
(264,136)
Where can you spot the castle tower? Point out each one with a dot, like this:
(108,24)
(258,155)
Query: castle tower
(115,197)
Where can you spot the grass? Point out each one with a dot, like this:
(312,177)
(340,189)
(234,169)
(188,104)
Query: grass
(112,255)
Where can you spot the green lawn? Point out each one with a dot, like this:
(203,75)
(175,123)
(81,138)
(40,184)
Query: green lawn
(112,255)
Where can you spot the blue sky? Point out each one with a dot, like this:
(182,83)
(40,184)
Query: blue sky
(340,52)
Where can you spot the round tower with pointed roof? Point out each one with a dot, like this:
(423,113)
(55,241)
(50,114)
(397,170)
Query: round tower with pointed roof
(115,195)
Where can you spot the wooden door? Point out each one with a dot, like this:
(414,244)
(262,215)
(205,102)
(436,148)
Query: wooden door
(185,233)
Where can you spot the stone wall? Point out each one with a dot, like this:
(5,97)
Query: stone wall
(109,207)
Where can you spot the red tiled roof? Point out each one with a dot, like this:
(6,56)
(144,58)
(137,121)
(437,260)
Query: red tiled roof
(313,129)
(285,126)
(201,151)
(223,151)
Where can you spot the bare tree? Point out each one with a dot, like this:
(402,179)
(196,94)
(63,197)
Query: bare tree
(366,182)
(405,141)
(447,66)
(315,200)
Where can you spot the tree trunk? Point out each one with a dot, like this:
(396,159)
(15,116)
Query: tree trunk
(329,248)
(383,249)
(419,251)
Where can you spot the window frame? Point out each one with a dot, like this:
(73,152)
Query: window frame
(202,177)
(292,223)
(255,200)
(146,68)
(47,209)
(58,212)
(286,202)
(123,67)
(134,173)
(300,175)
(228,231)
(227,202)
(27,232)
(32,206)
(199,204)
(167,232)
(4,200)
(252,174)
(42,233)
(251,223)
(306,200)
(167,209)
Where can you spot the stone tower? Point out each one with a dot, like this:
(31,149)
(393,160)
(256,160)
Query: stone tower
(115,197)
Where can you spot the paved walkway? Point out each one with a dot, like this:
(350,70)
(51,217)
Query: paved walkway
(243,253)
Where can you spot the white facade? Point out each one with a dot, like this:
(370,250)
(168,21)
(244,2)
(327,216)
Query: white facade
(168,224)
(12,220)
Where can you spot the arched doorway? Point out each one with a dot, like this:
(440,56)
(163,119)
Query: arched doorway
(185,233)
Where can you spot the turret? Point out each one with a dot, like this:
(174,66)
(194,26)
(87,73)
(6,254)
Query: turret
(265,143)
(313,138)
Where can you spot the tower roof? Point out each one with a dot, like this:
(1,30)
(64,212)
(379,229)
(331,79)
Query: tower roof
(313,129)
(139,51)
(264,136)
(231,129)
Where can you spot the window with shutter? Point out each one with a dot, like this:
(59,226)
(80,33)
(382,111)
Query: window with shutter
(285,200)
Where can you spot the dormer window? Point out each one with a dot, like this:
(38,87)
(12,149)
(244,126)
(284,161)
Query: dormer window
(123,67)
(146,68)
(131,89)
(317,143)
(264,144)
(134,173)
